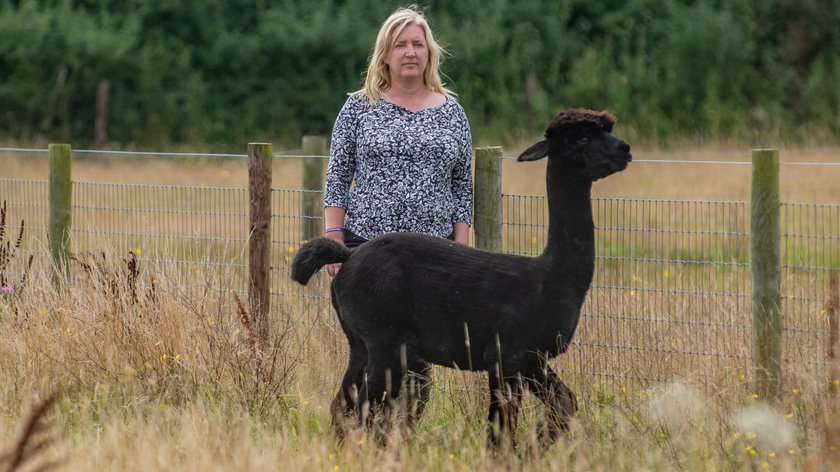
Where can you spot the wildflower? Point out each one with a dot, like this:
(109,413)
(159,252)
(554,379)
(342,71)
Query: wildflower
(737,435)
(765,464)
(137,251)
(796,391)
(742,377)
(155,281)
(336,468)
(789,415)
(755,396)
(771,455)
(5,289)
(623,389)
(177,358)
(751,436)
(750,450)
(164,357)
(291,249)
(666,274)
(306,403)
(632,293)
(835,382)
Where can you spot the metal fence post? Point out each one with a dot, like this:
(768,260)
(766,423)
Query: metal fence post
(60,201)
(259,241)
(315,147)
(765,265)
(488,198)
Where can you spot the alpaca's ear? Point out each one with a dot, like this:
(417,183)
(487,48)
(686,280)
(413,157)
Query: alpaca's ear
(535,152)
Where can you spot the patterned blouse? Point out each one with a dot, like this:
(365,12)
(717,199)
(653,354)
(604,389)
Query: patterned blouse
(412,169)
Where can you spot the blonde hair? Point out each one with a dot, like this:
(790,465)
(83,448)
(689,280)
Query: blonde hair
(377,78)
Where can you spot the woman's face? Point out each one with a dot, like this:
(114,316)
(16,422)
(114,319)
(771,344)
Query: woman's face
(410,55)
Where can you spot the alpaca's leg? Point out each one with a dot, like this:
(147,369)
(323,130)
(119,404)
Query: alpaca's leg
(418,387)
(347,400)
(505,399)
(559,400)
(381,385)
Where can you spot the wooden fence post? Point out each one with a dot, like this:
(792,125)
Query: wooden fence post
(765,265)
(259,241)
(487,217)
(60,202)
(313,186)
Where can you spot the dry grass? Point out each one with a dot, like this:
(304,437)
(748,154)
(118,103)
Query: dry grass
(169,379)
(159,371)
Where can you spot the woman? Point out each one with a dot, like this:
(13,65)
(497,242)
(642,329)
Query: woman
(406,141)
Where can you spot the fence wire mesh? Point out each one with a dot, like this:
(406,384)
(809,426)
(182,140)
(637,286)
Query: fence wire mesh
(670,297)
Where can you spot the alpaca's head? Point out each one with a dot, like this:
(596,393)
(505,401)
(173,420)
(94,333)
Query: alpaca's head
(580,143)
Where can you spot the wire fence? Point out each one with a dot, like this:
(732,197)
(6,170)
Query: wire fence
(670,297)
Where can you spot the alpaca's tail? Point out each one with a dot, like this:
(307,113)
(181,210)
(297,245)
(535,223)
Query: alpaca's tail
(316,254)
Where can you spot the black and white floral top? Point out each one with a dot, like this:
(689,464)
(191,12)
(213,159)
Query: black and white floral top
(412,169)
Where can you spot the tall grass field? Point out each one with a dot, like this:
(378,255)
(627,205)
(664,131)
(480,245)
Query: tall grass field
(148,360)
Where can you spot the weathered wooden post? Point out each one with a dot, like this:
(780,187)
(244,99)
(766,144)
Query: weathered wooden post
(259,241)
(766,267)
(487,202)
(314,147)
(60,201)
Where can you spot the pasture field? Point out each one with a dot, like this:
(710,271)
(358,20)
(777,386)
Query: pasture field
(157,372)
(155,368)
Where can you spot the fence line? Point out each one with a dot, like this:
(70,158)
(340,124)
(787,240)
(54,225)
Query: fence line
(671,295)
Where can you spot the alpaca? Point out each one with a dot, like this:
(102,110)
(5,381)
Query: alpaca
(406,301)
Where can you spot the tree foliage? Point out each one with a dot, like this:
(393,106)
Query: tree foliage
(223,72)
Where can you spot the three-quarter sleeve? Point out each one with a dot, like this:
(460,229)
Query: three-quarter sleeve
(462,187)
(342,165)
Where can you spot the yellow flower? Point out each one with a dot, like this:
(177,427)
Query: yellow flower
(789,415)
(835,382)
(306,403)
(451,456)
(210,321)
(666,274)
(632,293)
(623,389)
(765,464)
(796,391)
(750,450)
(177,357)
(755,396)
(771,455)
(154,281)
(291,249)
(336,468)
(751,436)
(737,435)
(742,377)
(164,357)
(137,251)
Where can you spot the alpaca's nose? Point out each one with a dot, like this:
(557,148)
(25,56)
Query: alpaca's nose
(624,146)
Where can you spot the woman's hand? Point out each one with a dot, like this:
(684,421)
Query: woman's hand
(337,236)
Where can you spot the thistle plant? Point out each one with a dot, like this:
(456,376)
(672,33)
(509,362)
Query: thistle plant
(8,251)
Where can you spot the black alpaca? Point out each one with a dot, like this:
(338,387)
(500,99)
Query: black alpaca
(406,301)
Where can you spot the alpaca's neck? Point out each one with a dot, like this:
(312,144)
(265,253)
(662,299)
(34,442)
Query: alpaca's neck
(570,251)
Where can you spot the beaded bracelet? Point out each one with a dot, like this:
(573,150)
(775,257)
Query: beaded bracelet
(334,229)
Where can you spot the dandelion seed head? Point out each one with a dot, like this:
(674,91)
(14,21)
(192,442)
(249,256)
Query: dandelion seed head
(776,432)
(675,406)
